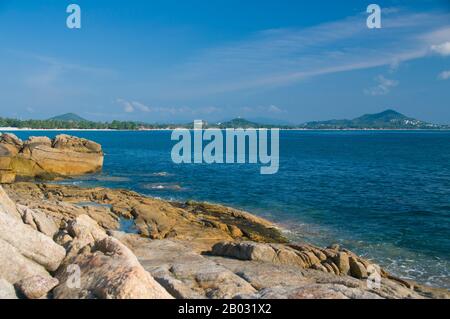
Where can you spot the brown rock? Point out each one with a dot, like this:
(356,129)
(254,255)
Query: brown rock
(36,287)
(154,218)
(184,272)
(235,231)
(109,271)
(7,176)
(37,140)
(85,232)
(357,269)
(15,267)
(245,251)
(38,221)
(343,263)
(10,143)
(62,238)
(41,157)
(67,142)
(316,291)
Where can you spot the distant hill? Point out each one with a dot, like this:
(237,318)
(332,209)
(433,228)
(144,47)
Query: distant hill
(388,119)
(237,123)
(69,117)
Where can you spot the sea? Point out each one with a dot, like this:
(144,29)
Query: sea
(383,194)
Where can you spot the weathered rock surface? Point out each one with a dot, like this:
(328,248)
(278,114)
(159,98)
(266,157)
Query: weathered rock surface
(38,220)
(283,280)
(335,261)
(190,275)
(315,291)
(15,267)
(201,224)
(30,243)
(7,290)
(36,287)
(183,272)
(107,269)
(44,158)
(190,250)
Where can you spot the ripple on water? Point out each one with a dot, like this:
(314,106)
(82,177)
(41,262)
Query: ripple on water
(162,186)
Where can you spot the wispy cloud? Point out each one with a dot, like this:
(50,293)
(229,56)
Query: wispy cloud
(135,106)
(282,56)
(445,75)
(442,49)
(383,86)
(141,107)
(48,76)
(63,65)
(127,106)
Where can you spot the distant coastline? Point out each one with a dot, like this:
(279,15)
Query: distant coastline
(386,120)
(13,129)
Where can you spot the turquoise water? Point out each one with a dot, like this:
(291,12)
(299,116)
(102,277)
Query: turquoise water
(385,195)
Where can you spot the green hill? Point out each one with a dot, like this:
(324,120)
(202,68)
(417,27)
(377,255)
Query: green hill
(243,123)
(239,123)
(388,119)
(68,117)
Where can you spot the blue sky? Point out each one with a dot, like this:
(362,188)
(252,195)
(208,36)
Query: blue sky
(172,61)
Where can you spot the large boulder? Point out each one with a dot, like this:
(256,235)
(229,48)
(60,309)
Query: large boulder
(36,287)
(38,220)
(183,272)
(330,260)
(14,266)
(30,243)
(44,158)
(10,144)
(108,271)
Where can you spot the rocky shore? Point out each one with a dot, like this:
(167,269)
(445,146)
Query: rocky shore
(68,242)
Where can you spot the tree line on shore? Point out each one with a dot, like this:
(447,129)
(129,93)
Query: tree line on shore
(58,124)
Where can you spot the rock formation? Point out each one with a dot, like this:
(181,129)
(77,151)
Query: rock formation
(107,268)
(37,252)
(40,157)
(67,249)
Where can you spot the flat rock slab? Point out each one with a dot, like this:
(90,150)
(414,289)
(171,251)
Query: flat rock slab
(107,271)
(183,272)
(30,243)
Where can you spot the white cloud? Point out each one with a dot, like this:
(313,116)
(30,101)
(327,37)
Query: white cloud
(383,87)
(274,109)
(127,106)
(442,49)
(445,75)
(140,106)
(132,106)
